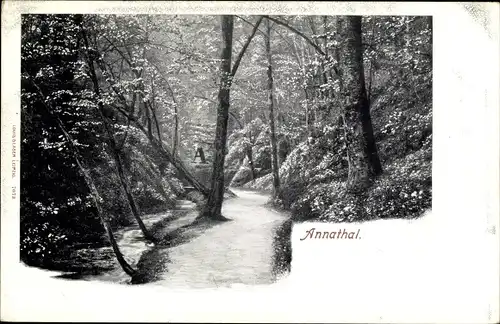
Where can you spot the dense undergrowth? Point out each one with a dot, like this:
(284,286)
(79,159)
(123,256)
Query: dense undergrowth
(313,176)
(313,184)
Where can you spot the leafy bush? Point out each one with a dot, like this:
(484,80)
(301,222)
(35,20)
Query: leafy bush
(264,183)
(242,176)
(403,191)
(403,130)
(314,174)
(282,248)
(290,193)
(38,241)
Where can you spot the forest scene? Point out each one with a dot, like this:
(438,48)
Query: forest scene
(180,150)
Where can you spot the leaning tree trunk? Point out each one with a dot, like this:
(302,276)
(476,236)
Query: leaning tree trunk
(167,156)
(214,204)
(127,268)
(356,115)
(274,150)
(115,151)
(176,131)
(128,193)
(96,198)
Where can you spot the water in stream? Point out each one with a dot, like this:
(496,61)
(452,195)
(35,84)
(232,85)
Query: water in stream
(208,253)
(135,249)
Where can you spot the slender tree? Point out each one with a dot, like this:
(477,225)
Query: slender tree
(113,145)
(157,143)
(96,198)
(249,152)
(270,98)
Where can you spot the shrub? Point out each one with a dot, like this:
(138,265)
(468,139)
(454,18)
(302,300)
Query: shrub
(242,176)
(40,241)
(290,193)
(405,191)
(264,183)
(282,248)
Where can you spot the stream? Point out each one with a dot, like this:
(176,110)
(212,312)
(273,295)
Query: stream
(239,251)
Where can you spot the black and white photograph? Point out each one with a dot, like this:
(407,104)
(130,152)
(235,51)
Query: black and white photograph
(181,151)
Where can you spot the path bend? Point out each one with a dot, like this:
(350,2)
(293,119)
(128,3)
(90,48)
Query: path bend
(239,251)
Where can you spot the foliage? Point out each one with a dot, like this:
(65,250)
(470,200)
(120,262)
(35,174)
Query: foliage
(263,183)
(56,209)
(50,198)
(398,60)
(403,191)
(282,248)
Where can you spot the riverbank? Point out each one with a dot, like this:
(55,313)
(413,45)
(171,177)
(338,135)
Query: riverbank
(194,252)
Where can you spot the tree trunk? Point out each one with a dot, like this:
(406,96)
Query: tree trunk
(127,268)
(250,162)
(96,198)
(176,129)
(307,113)
(214,204)
(274,150)
(371,147)
(325,32)
(114,149)
(148,120)
(356,115)
(375,165)
(130,198)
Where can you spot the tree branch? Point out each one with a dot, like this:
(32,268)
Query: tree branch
(236,119)
(284,24)
(230,112)
(253,25)
(243,50)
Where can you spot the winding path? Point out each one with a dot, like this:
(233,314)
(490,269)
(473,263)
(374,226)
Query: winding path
(234,252)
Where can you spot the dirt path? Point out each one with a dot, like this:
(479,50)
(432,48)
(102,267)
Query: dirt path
(238,251)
